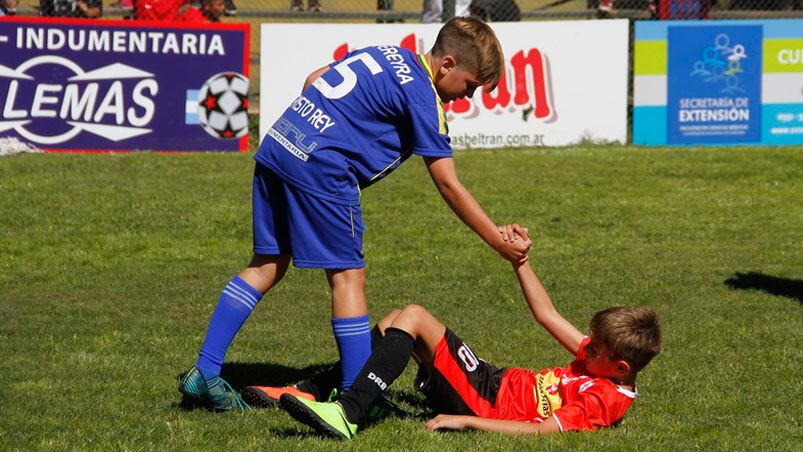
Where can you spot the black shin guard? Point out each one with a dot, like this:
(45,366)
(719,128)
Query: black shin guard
(376,337)
(322,384)
(386,363)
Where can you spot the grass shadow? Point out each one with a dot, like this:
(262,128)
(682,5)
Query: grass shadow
(240,375)
(773,285)
(415,400)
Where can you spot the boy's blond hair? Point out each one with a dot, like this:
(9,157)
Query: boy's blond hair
(631,333)
(474,46)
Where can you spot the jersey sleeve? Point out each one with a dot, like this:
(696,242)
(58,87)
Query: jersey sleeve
(428,127)
(581,350)
(596,405)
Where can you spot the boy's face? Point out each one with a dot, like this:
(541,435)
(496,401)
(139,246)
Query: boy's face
(456,83)
(601,362)
(214,8)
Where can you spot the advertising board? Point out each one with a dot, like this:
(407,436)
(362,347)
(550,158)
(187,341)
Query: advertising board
(565,81)
(717,83)
(77,85)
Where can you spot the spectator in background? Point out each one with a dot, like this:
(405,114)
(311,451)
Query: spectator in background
(433,10)
(605,10)
(312,5)
(157,9)
(91,9)
(127,6)
(684,9)
(205,12)
(496,10)
(8,7)
(231,8)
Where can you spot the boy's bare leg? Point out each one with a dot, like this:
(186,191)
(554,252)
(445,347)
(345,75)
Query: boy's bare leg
(411,331)
(237,300)
(264,271)
(425,329)
(388,320)
(348,292)
(408,332)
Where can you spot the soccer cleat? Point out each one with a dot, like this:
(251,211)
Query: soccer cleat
(222,397)
(216,394)
(192,384)
(327,418)
(268,396)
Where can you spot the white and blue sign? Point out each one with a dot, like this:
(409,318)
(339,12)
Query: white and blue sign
(714,85)
(718,82)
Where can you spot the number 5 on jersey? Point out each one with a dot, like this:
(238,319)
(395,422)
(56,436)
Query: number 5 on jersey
(349,77)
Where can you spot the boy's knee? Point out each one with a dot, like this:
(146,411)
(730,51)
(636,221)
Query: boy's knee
(265,271)
(414,311)
(388,320)
(391,316)
(346,278)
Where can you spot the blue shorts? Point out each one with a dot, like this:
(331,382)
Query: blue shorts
(315,232)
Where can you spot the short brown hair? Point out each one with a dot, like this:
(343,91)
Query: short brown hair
(631,333)
(474,46)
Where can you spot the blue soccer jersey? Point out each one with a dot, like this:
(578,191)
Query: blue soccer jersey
(356,123)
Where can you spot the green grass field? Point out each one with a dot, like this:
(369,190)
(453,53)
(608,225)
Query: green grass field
(110,266)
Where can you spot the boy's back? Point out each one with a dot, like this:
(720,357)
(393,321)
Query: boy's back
(356,123)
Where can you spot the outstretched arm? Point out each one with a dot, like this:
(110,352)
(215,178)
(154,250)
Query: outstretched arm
(544,311)
(453,422)
(466,207)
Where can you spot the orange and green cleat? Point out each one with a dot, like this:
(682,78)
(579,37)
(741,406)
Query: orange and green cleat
(268,396)
(327,418)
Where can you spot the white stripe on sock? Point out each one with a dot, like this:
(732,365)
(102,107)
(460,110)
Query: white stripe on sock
(351,334)
(244,292)
(351,329)
(239,298)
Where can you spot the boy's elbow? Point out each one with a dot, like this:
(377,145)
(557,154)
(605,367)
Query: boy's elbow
(449,188)
(444,188)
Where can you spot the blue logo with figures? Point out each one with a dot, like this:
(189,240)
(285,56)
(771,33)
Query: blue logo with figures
(714,84)
(721,64)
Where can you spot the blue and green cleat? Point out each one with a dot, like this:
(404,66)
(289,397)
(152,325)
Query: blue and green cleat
(216,394)
(326,418)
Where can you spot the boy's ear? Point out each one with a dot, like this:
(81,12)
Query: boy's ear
(622,366)
(447,64)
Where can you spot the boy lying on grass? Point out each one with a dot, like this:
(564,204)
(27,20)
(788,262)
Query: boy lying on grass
(595,390)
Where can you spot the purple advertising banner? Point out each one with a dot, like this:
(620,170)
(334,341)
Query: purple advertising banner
(99,86)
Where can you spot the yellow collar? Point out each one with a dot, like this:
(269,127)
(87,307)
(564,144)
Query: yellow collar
(422,59)
(442,126)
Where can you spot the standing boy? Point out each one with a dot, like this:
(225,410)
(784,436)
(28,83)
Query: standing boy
(355,122)
(465,392)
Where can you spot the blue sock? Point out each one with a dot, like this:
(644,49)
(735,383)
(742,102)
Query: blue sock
(233,307)
(353,337)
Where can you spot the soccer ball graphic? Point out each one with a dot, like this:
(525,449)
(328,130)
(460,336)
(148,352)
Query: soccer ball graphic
(223,105)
